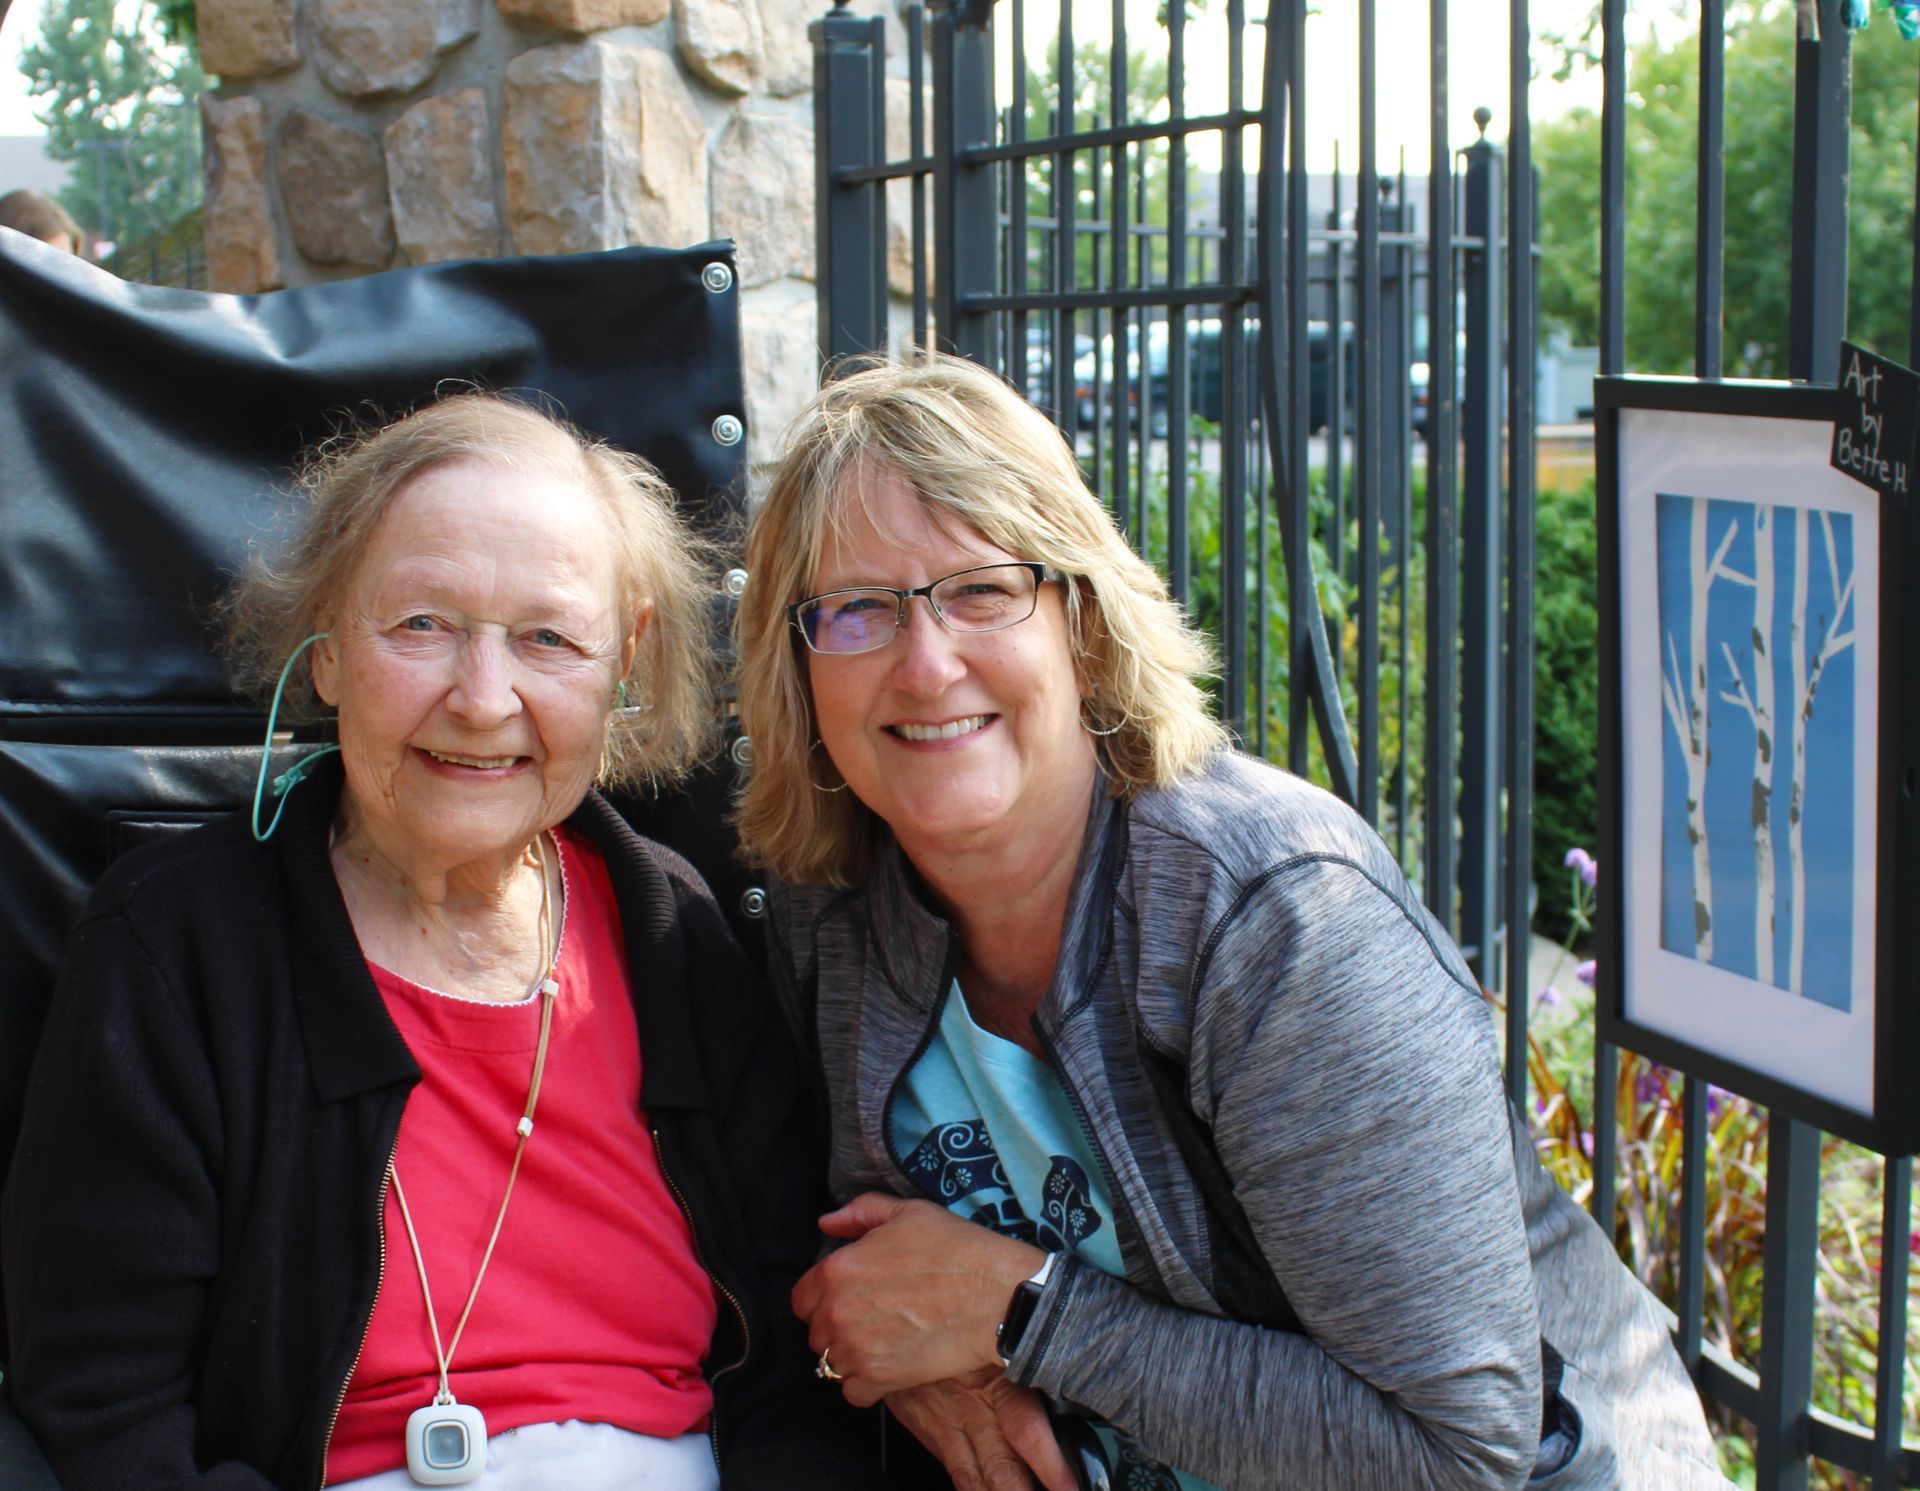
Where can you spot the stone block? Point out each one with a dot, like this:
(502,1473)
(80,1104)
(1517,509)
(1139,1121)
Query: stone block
(763,196)
(246,38)
(604,147)
(780,369)
(238,223)
(582,16)
(368,47)
(786,52)
(440,179)
(333,187)
(720,41)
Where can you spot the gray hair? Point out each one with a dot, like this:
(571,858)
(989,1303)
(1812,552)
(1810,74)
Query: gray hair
(349,482)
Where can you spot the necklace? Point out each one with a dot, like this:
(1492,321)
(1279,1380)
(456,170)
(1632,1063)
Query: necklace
(447,1439)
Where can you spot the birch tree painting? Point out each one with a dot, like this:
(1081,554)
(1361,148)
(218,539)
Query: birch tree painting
(1757,693)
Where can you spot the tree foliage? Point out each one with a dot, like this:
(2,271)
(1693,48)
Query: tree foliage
(1662,196)
(119,102)
(180,23)
(1144,92)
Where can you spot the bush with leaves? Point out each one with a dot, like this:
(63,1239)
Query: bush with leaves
(1265,605)
(1566,694)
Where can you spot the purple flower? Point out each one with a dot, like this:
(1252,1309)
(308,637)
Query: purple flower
(1548,996)
(1579,859)
(1716,1100)
(1586,1143)
(1584,972)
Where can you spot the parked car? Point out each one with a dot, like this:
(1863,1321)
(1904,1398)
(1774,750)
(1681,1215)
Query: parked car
(1037,373)
(1421,372)
(1206,368)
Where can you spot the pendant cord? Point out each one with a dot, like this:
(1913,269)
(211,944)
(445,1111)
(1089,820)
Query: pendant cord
(547,989)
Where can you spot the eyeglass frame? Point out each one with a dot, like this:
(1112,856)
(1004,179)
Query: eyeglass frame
(1042,575)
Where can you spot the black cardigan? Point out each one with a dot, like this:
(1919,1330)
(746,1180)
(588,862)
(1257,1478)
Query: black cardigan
(192,1228)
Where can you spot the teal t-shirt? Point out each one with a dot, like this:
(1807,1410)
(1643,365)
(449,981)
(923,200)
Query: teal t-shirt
(984,1128)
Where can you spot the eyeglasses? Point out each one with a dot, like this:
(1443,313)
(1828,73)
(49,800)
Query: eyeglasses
(982,599)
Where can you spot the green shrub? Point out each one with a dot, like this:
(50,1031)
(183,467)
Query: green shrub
(1566,695)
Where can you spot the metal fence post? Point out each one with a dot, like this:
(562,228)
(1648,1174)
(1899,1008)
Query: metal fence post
(1522,373)
(1896,1243)
(1443,517)
(1396,360)
(1791,1250)
(849,219)
(1816,321)
(1822,102)
(1613,359)
(965,224)
(1480,423)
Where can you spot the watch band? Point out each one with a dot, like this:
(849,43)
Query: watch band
(1020,1308)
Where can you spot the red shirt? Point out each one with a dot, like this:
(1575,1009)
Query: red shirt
(594,1306)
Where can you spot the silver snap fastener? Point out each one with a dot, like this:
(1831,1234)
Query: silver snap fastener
(735,583)
(717,277)
(754,903)
(728,430)
(742,752)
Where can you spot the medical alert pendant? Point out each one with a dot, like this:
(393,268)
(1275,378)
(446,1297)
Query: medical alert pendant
(446,1443)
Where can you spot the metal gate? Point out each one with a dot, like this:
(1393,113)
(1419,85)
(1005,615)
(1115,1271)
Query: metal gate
(1215,339)
(1294,392)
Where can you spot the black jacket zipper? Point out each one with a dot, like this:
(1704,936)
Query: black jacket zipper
(379,1283)
(700,1256)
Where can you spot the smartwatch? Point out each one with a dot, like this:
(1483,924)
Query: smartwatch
(1026,1299)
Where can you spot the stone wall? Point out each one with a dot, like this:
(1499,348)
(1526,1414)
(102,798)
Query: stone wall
(349,136)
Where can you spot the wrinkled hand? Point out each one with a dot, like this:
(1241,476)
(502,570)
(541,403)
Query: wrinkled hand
(989,1434)
(915,1297)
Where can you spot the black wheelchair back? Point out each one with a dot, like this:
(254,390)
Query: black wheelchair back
(145,440)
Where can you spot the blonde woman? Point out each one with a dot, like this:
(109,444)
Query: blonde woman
(1165,1022)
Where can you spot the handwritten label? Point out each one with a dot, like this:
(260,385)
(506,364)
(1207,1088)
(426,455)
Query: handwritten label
(1878,418)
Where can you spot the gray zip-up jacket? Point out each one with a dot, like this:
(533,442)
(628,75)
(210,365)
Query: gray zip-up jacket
(1249,931)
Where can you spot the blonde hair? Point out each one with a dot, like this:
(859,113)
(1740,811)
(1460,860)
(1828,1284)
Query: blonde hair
(980,457)
(349,482)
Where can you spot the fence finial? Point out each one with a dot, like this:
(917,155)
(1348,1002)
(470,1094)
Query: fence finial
(1482,117)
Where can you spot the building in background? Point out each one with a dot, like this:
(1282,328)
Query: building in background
(26,166)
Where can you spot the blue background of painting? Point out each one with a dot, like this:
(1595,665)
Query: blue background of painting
(1828,799)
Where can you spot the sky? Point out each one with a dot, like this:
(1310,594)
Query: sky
(1477,67)
(1479,64)
(16,109)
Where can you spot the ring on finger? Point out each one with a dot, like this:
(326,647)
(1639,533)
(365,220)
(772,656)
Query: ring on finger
(824,1369)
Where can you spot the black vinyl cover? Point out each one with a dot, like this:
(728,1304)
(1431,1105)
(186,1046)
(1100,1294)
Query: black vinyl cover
(146,435)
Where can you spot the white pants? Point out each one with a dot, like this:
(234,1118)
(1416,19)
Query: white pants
(578,1456)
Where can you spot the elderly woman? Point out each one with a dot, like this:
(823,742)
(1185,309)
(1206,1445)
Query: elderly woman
(1165,1022)
(439,1133)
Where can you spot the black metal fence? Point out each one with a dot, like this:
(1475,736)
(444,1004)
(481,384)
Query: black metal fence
(1775,1399)
(1082,252)
(1295,393)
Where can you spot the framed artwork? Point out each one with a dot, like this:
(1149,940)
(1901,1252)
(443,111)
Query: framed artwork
(1759,901)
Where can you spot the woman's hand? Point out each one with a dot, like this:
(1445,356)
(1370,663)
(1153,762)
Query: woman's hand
(916,1295)
(989,1434)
